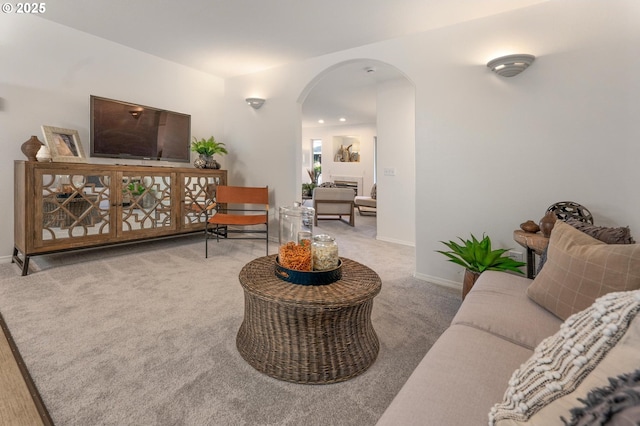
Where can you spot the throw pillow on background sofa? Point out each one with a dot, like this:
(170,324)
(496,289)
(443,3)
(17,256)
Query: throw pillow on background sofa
(609,235)
(593,345)
(580,269)
(620,235)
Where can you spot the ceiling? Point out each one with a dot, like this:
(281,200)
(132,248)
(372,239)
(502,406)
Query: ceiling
(349,92)
(227,38)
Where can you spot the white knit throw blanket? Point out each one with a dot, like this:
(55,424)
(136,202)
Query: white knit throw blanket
(562,361)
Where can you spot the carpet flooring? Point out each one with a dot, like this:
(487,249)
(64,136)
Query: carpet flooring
(144,334)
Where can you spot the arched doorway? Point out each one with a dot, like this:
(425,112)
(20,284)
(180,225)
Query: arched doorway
(377,103)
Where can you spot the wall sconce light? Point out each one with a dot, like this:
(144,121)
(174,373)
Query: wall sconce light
(510,65)
(255,103)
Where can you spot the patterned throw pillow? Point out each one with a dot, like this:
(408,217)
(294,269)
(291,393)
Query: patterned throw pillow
(374,191)
(562,361)
(580,269)
(620,235)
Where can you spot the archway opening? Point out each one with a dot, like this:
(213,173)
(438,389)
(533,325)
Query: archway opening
(367,108)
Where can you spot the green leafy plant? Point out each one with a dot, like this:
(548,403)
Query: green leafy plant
(477,256)
(208,147)
(307,188)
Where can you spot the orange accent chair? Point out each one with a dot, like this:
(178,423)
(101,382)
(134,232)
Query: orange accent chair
(239,209)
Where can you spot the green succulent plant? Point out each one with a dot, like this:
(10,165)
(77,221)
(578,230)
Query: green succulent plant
(477,256)
(208,147)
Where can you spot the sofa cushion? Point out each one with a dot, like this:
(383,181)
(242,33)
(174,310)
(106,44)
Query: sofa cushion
(580,268)
(363,201)
(497,296)
(592,345)
(457,381)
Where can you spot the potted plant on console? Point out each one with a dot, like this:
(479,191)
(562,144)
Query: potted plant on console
(476,257)
(207,148)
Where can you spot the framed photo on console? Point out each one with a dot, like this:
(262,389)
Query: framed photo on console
(64,144)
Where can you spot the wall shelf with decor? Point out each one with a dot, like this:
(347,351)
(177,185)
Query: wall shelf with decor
(346,149)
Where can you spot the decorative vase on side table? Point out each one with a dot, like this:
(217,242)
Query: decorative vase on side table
(547,223)
(31,147)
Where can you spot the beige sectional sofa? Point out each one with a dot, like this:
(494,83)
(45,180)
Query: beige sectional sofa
(511,331)
(467,369)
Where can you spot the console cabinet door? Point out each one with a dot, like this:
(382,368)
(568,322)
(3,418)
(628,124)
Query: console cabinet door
(198,189)
(146,204)
(71,208)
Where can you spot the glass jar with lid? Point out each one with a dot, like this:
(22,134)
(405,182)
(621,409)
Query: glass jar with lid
(296,231)
(324,253)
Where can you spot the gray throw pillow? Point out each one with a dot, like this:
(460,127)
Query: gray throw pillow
(616,404)
(621,235)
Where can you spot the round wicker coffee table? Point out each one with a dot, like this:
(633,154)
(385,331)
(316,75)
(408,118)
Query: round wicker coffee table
(308,334)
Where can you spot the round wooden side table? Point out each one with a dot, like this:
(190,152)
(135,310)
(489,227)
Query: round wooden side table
(535,243)
(308,334)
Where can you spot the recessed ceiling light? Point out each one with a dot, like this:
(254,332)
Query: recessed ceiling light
(321,121)
(343,119)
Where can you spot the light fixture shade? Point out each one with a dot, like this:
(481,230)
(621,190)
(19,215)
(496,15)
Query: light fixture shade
(510,65)
(255,102)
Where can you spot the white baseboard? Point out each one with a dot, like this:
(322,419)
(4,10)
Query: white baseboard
(5,259)
(401,242)
(439,281)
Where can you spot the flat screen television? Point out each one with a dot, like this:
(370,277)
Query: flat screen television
(131,131)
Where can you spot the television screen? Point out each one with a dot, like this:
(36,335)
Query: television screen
(125,130)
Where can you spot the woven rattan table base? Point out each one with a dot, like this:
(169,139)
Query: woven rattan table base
(308,334)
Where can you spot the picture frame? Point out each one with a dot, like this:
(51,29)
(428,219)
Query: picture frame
(64,144)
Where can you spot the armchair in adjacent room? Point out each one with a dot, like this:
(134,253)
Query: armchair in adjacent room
(333,203)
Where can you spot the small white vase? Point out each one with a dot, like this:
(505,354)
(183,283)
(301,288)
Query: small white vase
(43,154)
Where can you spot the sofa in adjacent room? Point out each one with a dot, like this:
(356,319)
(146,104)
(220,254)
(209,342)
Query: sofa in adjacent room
(526,350)
(367,204)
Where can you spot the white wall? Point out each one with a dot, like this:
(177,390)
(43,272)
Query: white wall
(396,151)
(490,152)
(48,72)
(494,152)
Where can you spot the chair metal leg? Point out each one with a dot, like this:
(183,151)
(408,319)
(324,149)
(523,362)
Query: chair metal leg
(206,241)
